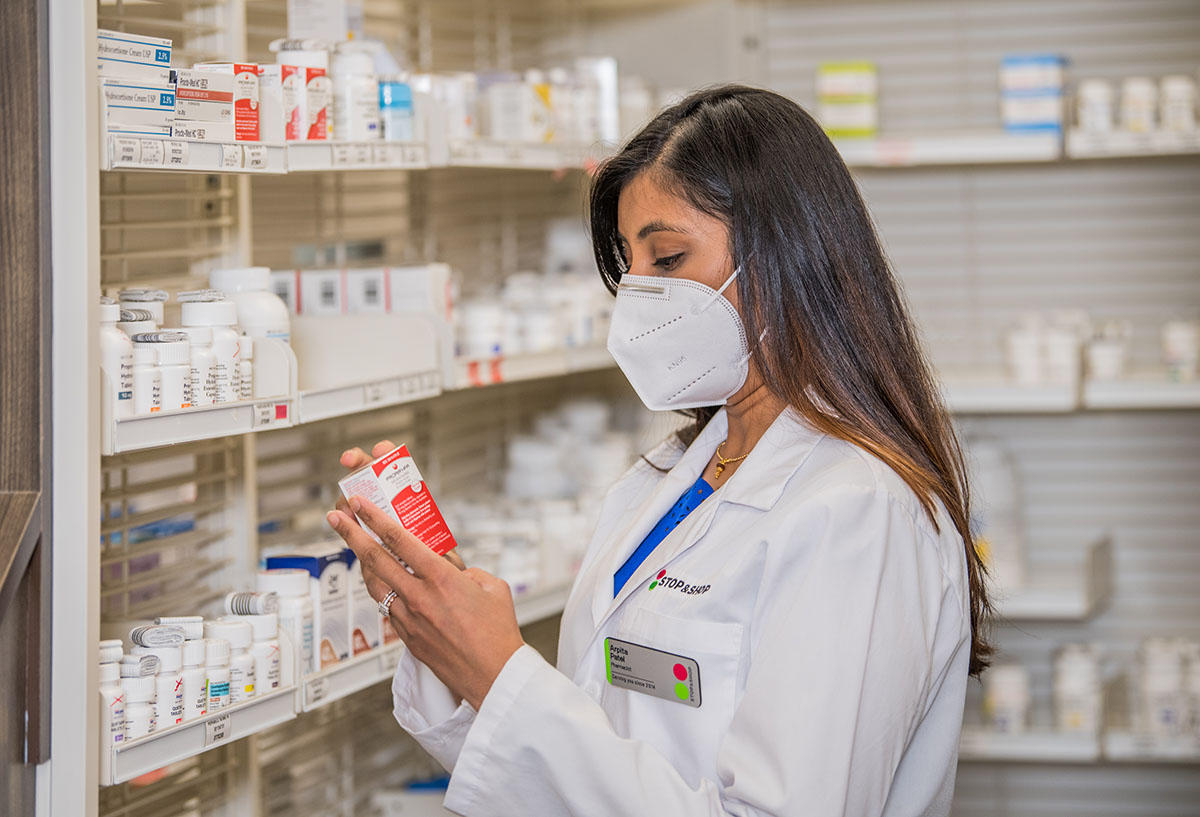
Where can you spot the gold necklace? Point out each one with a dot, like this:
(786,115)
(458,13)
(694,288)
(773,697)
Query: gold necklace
(723,461)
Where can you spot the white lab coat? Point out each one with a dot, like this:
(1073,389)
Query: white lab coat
(833,645)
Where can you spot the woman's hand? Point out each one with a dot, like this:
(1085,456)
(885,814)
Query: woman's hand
(356,458)
(459,623)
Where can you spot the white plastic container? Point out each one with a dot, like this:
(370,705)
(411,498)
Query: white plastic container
(151,300)
(1077,691)
(194,675)
(112,695)
(174,366)
(245,367)
(308,61)
(240,636)
(116,357)
(169,696)
(397,113)
(134,321)
(1181,348)
(147,381)
(1006,698)
(216,677)
(265,650)
(1139,104)
(295,616)
(997,524)
(1095,105)
(210,308)
(140,710)
(355,94)
(260,312)
(202,361)
(1163,700)
(1178,104)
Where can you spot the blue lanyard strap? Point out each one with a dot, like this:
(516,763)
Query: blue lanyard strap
(688,502)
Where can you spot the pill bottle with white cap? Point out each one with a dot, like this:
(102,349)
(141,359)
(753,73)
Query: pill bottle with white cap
(260,312)
(147,381)
(240,636)
(174,366)
(116,357)
(210,308)
(265,650)
(193,674)
(168,684)
(295,616)
(202,361)
(136,320)
(112,696)
(150,300)
(216,679)
(140,711)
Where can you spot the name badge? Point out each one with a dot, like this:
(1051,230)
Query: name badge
(652,672)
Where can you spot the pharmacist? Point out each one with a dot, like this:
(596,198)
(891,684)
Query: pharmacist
(779,610)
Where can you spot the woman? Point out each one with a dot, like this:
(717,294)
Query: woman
(776,617)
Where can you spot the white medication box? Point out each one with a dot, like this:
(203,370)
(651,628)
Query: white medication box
(131,55)
(366,624)
(367,291)
(396,487)
(322,292)
(203,131)
(329,588)
(203,96)
(286,284)
(131,102)
(245,96)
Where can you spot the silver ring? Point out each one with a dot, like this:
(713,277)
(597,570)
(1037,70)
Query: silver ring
(385,605)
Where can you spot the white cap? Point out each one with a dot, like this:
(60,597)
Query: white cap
(197,335)
(170,659)
(108,311)
(238,633)
(1139,86)
(110,672)
(284,581)
(245,347)
(1178,84)
(265,626)
(192,653)
(208,313)
(140,690)
(192,626)
(172,347)
(111,651)
(138,666)
(144,354)
(142,295)
(216,651)
(1096,88)
(243,279)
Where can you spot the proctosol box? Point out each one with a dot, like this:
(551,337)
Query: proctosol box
(395,485)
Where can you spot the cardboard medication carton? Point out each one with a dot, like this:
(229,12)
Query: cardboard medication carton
(245,96)
(203,96)
(329,589)
(394,484)
(121,54)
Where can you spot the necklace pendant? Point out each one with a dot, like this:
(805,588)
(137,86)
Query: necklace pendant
(720,468)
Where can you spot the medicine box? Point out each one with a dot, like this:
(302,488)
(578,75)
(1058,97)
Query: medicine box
(322,292)
(203,96)
(367,291)
(394,485)
(847,98)
(245,96)
(131,55)
(131,102)
(286,284)
(329,588)
(1031,92)
(366,623)
(203,131)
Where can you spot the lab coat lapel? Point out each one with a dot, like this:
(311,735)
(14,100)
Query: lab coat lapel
(661,500)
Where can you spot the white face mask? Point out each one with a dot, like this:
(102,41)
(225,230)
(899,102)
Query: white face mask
(680,343)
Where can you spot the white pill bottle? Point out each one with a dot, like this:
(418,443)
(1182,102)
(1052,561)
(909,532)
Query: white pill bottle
(295,617)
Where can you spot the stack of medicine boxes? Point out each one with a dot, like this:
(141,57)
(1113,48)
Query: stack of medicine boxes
(1031,92)
(138,94)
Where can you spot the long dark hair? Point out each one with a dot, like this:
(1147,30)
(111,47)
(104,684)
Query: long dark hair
(815,277)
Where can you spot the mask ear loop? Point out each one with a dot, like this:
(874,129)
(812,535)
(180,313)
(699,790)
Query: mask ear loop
(757,343)
(712,300)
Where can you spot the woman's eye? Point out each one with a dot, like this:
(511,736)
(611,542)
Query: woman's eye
(668,262)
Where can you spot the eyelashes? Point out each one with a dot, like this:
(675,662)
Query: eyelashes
(668,262)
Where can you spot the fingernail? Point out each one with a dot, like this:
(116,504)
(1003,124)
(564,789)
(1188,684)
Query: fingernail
(333,519)
(355,504)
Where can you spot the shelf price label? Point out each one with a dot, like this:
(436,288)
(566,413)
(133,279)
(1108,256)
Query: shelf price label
(177,153)
(373,393)
(125,150)
(152,153)
(269,414)
(414,155)
(360,154)
(382,155)
(231,157)
(216,729)
(256,157)
(315,691)
(341,155)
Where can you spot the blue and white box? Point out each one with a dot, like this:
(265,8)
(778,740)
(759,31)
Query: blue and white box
(131,102)
(121,54)
(1031,92)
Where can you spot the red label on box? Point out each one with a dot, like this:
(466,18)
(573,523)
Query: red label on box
(393,483)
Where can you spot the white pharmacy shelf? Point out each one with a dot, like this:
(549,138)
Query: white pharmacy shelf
(476,372)
(1084,145)
(158,749)
(1070,593)
(517,155)
(147,153)
(1035,746)
(950,148)
(189,425)
(1133,747)
(973,394)
(378,665)
(320,404)
(1149,390)
(318,156)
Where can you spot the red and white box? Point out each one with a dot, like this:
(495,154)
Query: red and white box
(245,96)
(203,96)
(396,487)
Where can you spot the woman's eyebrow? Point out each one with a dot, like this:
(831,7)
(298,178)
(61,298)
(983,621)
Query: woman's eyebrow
(658,227)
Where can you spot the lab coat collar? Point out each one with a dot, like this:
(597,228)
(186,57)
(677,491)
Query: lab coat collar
(757,483)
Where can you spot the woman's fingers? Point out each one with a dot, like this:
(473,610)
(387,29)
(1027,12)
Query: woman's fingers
(424,562)
(372,555)
(453,558)
(354,458)
(381,448)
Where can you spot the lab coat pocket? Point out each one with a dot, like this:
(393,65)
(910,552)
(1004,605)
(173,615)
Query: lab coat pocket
(688,735)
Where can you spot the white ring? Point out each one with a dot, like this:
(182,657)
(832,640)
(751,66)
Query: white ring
(385,605)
